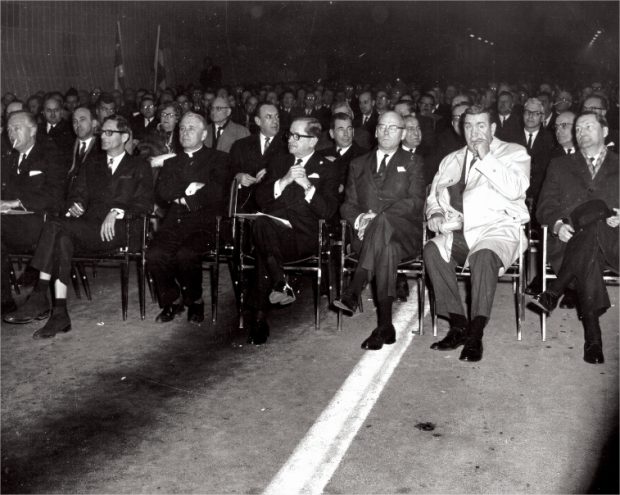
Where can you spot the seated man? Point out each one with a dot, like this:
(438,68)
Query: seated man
(194,184)
(33,179)
(384,202)
(579,257)
(106,188)
(300,188)
(477,206)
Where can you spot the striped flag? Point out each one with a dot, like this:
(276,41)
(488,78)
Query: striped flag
(119,69)
(160,68)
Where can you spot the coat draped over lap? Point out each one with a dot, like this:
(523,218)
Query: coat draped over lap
(493,200)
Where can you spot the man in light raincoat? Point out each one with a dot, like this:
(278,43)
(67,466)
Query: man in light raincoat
(476,206)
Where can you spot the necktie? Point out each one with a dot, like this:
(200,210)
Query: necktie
(569,151)
(383,165)
(298,162)
(529,142)
(19,163)
(365,119)
(267,139)
(592,166)
(219,132)
(111,164)
(82,150)
(339,151)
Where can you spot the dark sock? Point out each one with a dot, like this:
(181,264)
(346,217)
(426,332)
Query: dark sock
(476,327)
(60,306)
(42,286)
(384,311)
(591,328)
(360,276)
(457,320)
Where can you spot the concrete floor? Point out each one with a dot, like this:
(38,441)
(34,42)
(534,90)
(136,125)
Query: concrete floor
(140,407)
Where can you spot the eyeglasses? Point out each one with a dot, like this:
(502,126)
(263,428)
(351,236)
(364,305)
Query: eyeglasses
(392,129)
(147,107)
(219,109)
(110,132)
(166,115)
(593,109)
(529,113)
(564,125)
(297,136)
(412,128)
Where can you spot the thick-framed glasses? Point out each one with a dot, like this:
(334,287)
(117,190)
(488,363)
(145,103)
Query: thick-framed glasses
(529,113)
(392,129)
(564,125)
(147,107)
(296,136)
(167,115)
(110,132)
(593,109)
(219,109)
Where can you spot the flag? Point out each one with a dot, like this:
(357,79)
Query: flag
(160,68)
(119,70)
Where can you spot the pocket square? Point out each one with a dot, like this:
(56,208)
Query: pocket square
(314,176)
(34,172)
(401,169)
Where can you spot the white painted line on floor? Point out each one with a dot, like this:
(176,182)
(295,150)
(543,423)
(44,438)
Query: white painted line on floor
(318,455)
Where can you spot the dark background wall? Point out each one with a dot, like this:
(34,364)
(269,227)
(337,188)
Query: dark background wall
(54,45)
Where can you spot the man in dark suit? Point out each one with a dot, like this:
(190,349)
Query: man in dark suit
(105,190)
(367,116)
(194,184)
(32,180)
(509,124)
(146,121)
(55,128)
(250,155)
(579,257)
(286,108)
(564,135)
(539,142)
(86,145)
(223,132)
(598,104)
(384,202)
(299,189)
(309,109)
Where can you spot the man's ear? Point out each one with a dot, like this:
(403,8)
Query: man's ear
(204,135)
(257,120)
(331,133)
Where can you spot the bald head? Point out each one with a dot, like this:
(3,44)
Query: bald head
(390,131)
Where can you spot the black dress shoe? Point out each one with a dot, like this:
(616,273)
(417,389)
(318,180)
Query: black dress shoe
(196,312)
(534,287)
(36,307)
(58,322)
(374,342)
(472,350)
(454,338)
(388,333)
(169,312)
(547,301)
(593,353)
(259,332)
(569,301)
(347,303)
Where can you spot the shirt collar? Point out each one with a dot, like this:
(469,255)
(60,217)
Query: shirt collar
(115,161)
(407,148)
(87,141)
(533,133)
(380,154)
(304,159)
(27,152)
(192,153)
(344,150)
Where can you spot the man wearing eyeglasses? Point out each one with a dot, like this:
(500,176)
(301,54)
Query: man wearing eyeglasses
(476,206)
(300,188)
(509,122)
(145,122)
(539,142)
(106,189)
(384,201)
(223,132)
(193,186)
(564,135)
(578,256)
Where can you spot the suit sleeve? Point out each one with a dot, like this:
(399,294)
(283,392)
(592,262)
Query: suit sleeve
(351,209)
(324,203)
(412,205)
(170,184)
(217,181)
(135,194)
(550,209)
(45,193)
(510,179)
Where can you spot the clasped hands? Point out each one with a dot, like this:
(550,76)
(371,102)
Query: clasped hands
(297,173)
(8,204)
(247,180)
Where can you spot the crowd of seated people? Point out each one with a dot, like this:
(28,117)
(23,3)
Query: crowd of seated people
(264,136)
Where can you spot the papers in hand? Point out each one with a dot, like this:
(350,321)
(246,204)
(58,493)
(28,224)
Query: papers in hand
(253,216)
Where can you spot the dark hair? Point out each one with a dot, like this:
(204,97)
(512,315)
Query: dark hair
(171,104)
(599,118)
(106,98)
(261,105)
(312,126)
(505,93)
(602,99)
(479,110)
(410,104)
(339,116)
(83,107)
(121,123)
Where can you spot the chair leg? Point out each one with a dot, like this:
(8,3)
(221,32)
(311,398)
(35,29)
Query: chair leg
(13,279)
(433,309)
(83,277)
(75,282)
(421,302)
(151,283)
(124,287)
(215,280)
(317,300)
(141,270)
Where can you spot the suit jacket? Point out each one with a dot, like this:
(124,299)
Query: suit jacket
(232,132)
(370,125)
(569,184)
(511,130)
(541,156)
(342,163)
(246,157)
(400,197)
(130,188)
(447,142)
(212,168)
(292,205)
(40,185)
(138,129)
(61,134)
(93,148)
(286,118)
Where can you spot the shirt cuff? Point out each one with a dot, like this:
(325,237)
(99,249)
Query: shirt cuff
(557,225)
(310,193)
(120,214)
(356,224)
(277,190)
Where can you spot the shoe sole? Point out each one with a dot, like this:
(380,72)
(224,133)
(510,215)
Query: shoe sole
(344,307)
(23,321)
(539,305)
(38,336)
(281,299)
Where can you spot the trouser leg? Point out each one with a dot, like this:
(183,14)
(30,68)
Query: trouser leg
(484,268)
